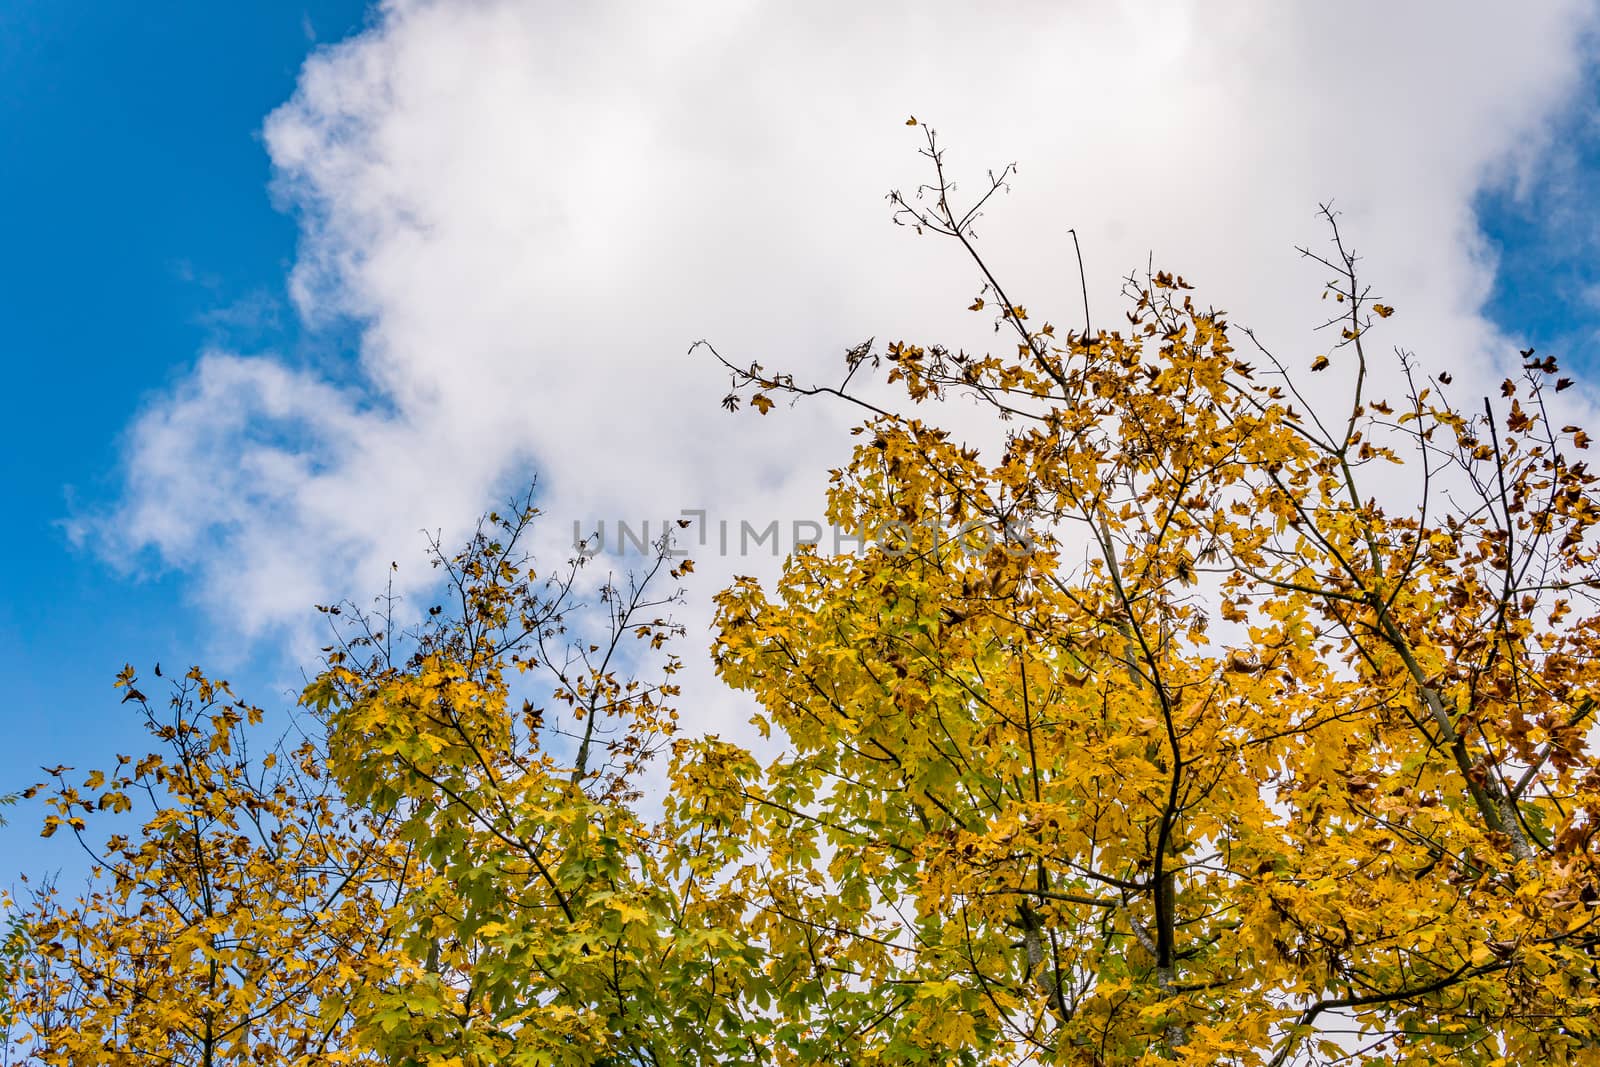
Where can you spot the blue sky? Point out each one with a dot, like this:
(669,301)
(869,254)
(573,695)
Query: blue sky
(141,231)
(1545,232)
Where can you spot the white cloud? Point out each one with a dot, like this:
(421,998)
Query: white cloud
(536,208)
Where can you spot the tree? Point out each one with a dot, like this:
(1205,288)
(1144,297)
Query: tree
(1156,734)
(549,922)
(433,871)
(230,927)
(1186,722)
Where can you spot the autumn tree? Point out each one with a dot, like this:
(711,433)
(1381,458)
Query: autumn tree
(1200,721)
(1194,721)
(550,922)
(230,926)
(444,862)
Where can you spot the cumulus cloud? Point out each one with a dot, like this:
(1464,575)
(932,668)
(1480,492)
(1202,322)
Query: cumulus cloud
(534,209)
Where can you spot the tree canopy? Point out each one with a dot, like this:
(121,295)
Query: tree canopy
(1206,719)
